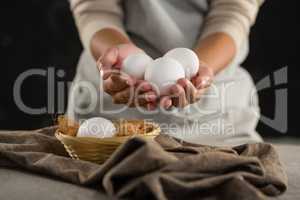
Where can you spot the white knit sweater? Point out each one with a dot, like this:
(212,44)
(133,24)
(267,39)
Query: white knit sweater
(233,17)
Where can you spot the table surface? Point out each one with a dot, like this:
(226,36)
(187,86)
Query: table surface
(16,185)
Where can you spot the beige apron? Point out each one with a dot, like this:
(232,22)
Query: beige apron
(226,115)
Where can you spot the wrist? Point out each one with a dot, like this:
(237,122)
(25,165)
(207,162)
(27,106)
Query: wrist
(204,61)
(217,50)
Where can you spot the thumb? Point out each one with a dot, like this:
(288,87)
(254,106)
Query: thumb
(204,77)
(110,57)
(107,61)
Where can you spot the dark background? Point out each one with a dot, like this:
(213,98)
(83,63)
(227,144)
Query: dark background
(39,34)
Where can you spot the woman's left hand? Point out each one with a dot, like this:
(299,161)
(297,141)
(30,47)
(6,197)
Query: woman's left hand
(186,91)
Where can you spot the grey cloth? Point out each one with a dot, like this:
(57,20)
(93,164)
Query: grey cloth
(170,169)
(227,114)
(160,25)
(17,184)
(23,185)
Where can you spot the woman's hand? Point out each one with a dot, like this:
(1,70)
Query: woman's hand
(123,88)
(217,51)
(187,92)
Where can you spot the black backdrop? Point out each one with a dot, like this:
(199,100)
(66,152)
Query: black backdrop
(39,34)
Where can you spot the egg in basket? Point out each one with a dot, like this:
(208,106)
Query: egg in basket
(97,138)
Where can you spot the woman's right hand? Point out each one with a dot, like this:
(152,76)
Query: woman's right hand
(123,88)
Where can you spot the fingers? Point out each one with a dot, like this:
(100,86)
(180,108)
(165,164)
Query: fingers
(117,82)
(147,100)
(124,96)
(165,102)
(130,97)
(126,90)
(143,86)
(123,88)
(204,78)
(146,97)
(122,79)
(202,82)
(134,93)
(99,63)
(182,94)
(191,93)
(106,62)
(141,94)
(151,106)
(110,58)
(178,96)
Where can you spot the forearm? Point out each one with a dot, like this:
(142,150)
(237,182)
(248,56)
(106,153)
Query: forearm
(100,21)
(216,50)
(104,39)
(227,26)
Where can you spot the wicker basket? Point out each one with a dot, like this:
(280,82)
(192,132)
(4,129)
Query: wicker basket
(98,150)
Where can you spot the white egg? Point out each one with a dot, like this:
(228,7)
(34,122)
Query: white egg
(135,65)
(97,127)
(187,58)
(164,72)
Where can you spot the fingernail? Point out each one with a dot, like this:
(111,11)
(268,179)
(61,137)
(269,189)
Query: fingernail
(100,65)
(206,82)
(174,89)
(117,66)
(168,104)
(147,87)
(116,51)
(183,83)
(151,97)
(100,58)
(105,74)
(202,84)
(128,82)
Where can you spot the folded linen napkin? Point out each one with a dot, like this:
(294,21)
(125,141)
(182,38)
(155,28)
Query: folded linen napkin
(161,169)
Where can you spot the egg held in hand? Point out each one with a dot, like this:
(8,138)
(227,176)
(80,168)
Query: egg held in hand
(135,65)
(97,127)
(187,58)
(162,73)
